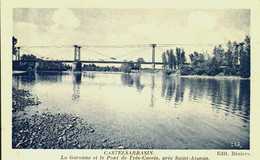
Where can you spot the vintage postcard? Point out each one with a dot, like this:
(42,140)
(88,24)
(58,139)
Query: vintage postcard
(123,81)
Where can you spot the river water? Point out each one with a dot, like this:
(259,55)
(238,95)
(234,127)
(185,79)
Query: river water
(145,110)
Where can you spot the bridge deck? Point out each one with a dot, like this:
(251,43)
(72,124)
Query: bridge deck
(88,61)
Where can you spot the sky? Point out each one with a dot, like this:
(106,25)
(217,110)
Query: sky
(193,30)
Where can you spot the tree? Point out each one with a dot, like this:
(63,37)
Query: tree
(235,55)
(28,57)
(213,67)
(228,54)
(244,52)
(218,53)
(173,60)
(14,48)
(178,56)
(138,64)
(235,60)
(169,59)
(126,67)
(164,60)
(196,58)
(191,58)
(182,57)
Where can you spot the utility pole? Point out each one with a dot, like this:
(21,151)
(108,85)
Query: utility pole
(153,55)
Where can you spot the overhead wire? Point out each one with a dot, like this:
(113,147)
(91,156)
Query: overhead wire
(98,53)
(122,46)
(136,51)
(91,48)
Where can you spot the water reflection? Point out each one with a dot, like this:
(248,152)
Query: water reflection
(138,84)
(127,80)
(49,76)
(131,80)
(76,86)
(244,96)
(172,88)
(230,96)
(32,78)
(90,75)
(152,90)
(175,112)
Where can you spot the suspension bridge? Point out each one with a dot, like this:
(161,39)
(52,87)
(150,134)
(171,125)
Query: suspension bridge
(78,61)
(77,55)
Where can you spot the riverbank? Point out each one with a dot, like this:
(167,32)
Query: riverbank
(18,72)
(215,77)
(144,70)
(51,131)
(23,98)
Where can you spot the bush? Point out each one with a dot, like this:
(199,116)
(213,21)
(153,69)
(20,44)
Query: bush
(186,70)
(199,71)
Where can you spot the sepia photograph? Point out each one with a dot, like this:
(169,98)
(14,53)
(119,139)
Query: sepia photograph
(130,78)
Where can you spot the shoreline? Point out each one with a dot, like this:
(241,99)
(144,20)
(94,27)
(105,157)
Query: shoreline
(215,77)
(145,71)
(52,131)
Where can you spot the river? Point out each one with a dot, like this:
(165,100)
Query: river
(147,110)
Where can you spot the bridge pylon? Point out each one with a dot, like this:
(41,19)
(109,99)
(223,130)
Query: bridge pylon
(77,63)
(77,53)
(18,56)
(153,55)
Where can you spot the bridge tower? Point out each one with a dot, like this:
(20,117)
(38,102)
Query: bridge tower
(153,55)
(77,53)
(77,63)
(18,56)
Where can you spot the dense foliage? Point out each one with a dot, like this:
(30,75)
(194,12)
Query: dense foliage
(42,65)
(131,65)
(93,67)
(233,60)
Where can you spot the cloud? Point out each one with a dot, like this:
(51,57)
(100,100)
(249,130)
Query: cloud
(29,34)
(201,21)
(25,32)
(65,19)
(109,26)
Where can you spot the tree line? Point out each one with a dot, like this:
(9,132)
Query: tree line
(173,61)
(232,60)
(42,65)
